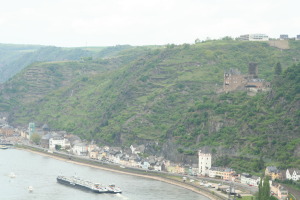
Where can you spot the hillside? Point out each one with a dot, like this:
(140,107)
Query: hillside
(13,58)
(166,98)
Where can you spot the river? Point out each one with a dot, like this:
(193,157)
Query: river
(40,172)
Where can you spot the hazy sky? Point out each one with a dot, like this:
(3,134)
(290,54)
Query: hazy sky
(137,22)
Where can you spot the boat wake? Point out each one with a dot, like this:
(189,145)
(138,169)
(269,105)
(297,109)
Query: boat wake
(122,196)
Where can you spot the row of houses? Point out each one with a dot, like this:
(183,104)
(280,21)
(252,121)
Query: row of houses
(132,157)
(288,174)
(127,157)
(278,190)
(264,37)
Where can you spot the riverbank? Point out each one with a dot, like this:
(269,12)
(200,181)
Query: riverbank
(167,178)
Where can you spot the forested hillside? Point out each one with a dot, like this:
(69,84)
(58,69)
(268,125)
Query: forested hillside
(168,98)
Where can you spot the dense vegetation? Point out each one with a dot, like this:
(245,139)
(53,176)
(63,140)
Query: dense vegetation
(168,98)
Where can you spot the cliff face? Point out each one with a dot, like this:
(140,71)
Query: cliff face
(166,99)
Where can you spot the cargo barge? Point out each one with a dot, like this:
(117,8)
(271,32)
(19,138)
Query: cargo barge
(88,185)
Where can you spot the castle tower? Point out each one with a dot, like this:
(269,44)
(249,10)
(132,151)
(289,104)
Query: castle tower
(204,162)
(253,70)
(31,128)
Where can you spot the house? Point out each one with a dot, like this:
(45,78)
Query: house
(298,37)
(117,158)
(171,168)
(7,130)
(249,179)
(134,161)
(58,141)
(280,191)
(92,147)
(213,172)
(273,172)
(102,155)
(45,140)
(93,154)
(73,139)
(204,162)
(221,172)
(114,153)
(159,166)
(24,134)
(145,165)
(135,149)
(194,169)
(80,149)
(45,128)
(293,174)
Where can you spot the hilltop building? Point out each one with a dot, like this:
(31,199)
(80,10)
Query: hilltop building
(298,37)
(204,163)
(234,80)
(254,37)
(284,37)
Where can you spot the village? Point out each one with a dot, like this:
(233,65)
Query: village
(133,157)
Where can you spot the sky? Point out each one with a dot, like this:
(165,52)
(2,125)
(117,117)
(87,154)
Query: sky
(74,23)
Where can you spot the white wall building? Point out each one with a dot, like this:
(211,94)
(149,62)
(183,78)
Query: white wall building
(293,174)
(254,37)
(212,172)
(63,142)
(250,180)
(204,163)
(80,149)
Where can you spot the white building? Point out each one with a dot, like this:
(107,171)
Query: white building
(212,172)
(293,174)
(135,149)
(63,142)
(80,149)
(204,163)
(250,180)
(254,37)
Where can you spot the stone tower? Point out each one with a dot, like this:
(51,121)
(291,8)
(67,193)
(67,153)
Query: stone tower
(253,70)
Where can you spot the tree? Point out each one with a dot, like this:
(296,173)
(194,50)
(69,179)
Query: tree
(278,69)
(259,164)
(259,197)
(57,147)
(35,138)
(227,38)
(264,189)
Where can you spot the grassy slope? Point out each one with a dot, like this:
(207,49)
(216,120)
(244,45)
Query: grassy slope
(13,58)
(156,94)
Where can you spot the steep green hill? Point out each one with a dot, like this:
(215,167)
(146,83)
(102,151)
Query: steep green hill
(168,99)
(13,58)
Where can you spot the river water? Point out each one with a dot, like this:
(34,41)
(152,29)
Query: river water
(40,172)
